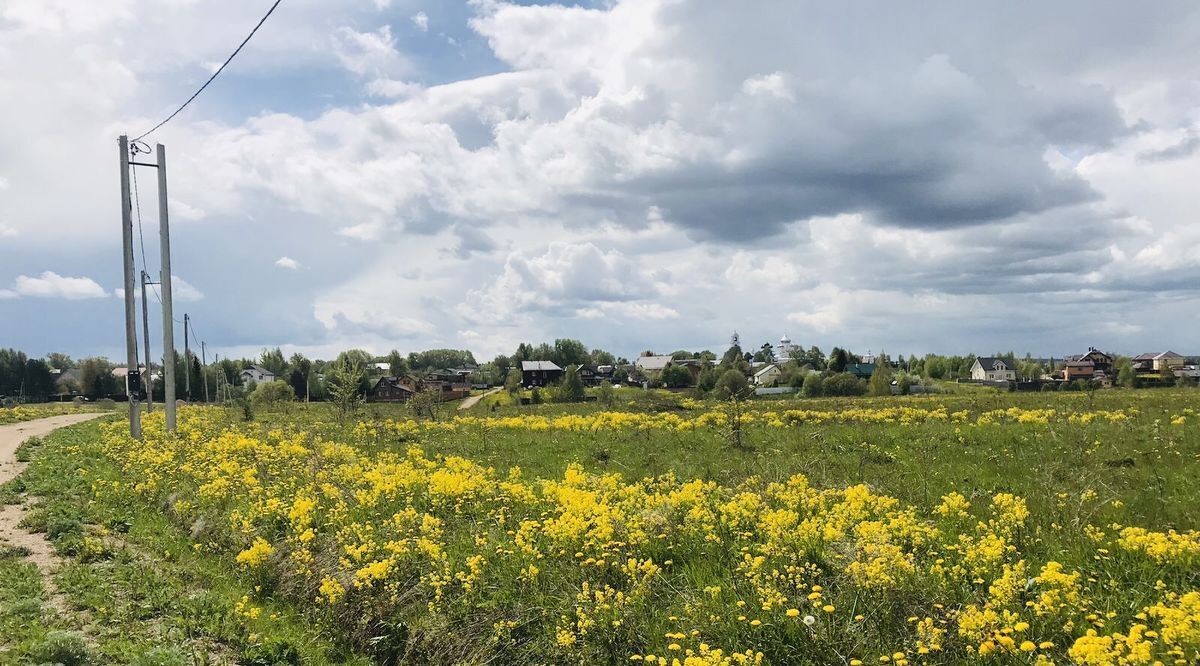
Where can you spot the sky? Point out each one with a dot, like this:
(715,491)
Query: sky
(641,175)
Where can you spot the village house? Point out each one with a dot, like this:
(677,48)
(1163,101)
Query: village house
(540,373)
(393,389)
(991,369)
(1155,362)
(861,370)
(651,365)
(767,376)
(1095,364)
(257,374)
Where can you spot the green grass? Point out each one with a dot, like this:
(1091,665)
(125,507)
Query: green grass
(135,586)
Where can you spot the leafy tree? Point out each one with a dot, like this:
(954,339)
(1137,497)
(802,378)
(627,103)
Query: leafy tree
(570,389)
(904,384)
(59,361)
(844,384)
(569,352)
(397,365)
(270,394)
(732,385)
(708,379)
(881,378)
(273,360)
(812,385)
(621,375)
(838,359)
(535,396)
(96,379)
(1126,376)
(732,356)
(512,380)
(606,394)
(343,380)
(433,359)
(675,376)
(601,357)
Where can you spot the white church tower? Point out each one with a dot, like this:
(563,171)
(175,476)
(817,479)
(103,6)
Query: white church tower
(784,350)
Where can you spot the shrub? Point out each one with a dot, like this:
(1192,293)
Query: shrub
(813,385)
(273,393)
(844,384)
(66,648)
(732,385)
(161,656)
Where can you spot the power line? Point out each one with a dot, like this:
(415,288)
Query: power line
(210,79)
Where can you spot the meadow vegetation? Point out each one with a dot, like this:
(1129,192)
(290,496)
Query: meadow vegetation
(983,527)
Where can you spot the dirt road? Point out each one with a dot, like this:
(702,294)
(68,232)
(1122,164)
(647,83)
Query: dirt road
(470,402)
(13,434)
(40,551)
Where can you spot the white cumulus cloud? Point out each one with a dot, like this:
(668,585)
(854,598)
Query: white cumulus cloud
(52,285)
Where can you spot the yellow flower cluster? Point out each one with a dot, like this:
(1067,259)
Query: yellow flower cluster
(616,421)
(28,413)
(592,565)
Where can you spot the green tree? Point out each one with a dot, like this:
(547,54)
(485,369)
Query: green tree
(96,379)
(732,385)
(299,377)
(512,380)
(273,360)
(569,352)
(708,379)
(606,394)
(601,357)
(731,356)
(271,394)
(844,384)
(435,359)
(343,381)
(570,389)
(838,359)
(1126,376)
(397,365)
(881,378)
(812,385)
(59,361)
(675,376)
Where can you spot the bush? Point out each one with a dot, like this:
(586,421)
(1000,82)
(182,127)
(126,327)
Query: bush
(161,656)
(732,385)
(676,376)
(813,385)
(844,384)
(571,387)
(268,394)
(66,648)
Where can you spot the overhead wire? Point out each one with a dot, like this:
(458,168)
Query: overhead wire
(215,74)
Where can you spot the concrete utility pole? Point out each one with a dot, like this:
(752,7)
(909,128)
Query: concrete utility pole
(204,368)
(146,378)
(164,237)
(187,361)
(131,391)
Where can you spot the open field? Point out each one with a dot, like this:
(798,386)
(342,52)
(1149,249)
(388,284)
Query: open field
(42,410)
(992,527)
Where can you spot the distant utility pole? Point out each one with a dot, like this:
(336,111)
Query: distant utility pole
(204,368)
(132,378)
(164,234)
(187,361)
(146,378)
